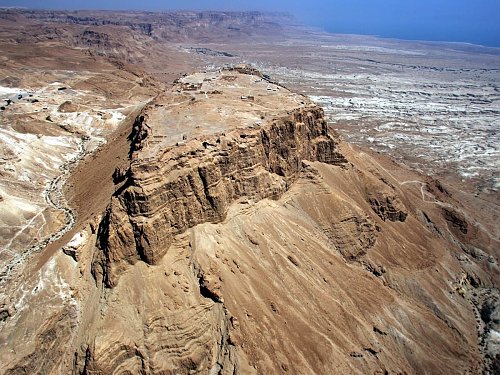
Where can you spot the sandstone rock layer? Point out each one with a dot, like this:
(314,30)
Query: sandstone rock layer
(196,183)
(245,238)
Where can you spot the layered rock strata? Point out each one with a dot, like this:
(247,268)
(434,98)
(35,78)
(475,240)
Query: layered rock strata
(197,182)
(243,238)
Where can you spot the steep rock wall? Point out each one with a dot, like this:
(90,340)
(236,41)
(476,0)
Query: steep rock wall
(196,182)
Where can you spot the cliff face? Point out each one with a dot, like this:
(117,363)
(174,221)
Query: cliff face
(115,33)
(197,183)
(243,238)
(251,224)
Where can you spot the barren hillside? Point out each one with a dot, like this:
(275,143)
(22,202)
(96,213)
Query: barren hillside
(217,224)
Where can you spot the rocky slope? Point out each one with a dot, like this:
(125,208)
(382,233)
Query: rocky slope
(224,228)
(197,183)
(174,26)
(148,40)
(262,243)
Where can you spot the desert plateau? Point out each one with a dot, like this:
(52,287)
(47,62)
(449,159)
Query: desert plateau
(210,192)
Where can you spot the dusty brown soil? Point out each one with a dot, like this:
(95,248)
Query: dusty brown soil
(239,235)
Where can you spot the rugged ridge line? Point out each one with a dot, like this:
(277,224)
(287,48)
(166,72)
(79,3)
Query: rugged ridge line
(195,183)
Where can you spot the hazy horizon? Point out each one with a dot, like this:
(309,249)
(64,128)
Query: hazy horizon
(430,20)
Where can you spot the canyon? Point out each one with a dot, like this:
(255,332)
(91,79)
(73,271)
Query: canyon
(221,221)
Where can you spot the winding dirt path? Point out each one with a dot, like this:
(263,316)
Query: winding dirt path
(54,196)
(433,199)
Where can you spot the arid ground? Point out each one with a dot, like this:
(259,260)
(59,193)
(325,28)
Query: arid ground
(235,193)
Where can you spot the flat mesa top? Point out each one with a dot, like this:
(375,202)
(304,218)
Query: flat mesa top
(208,103)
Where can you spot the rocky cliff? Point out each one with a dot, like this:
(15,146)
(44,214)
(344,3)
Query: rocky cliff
(243,237)
(180,26)
(197,182)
